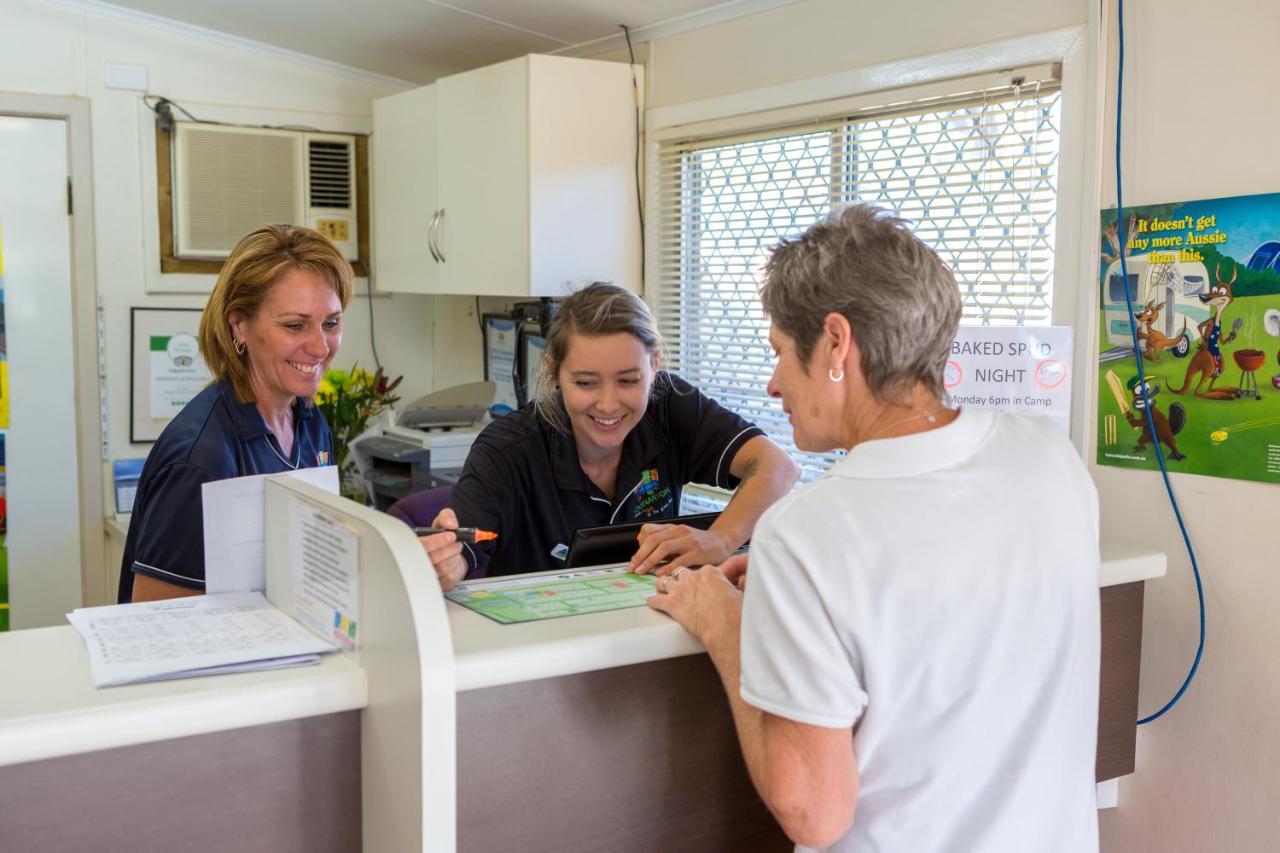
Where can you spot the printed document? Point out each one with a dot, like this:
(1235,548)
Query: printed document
(235,540)
(184,637)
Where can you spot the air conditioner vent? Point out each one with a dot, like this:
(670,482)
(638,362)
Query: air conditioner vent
(233,183)
(229,180)
(330,164)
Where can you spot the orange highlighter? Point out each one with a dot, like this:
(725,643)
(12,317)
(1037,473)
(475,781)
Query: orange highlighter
(470,535)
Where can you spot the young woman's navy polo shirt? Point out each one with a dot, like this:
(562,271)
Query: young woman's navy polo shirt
(214,437)
(523,480)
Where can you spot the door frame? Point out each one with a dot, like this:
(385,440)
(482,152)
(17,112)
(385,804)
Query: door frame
(91,449)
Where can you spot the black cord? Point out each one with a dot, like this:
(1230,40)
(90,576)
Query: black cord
(373,340)
(163,108)
(635,87)
(479,316)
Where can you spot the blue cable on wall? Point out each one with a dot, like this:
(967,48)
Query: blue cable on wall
(1146,400)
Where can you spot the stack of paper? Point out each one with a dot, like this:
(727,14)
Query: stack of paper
(183,637)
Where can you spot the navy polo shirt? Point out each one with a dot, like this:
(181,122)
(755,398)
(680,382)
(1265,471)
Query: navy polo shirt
(522,478)
(214,437)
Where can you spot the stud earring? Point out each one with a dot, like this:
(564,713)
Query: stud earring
(835,374)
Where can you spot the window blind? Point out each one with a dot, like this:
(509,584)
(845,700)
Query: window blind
(975,174)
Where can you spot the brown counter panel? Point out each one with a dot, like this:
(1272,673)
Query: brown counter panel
(290,786)
(637,758)
(1118,689)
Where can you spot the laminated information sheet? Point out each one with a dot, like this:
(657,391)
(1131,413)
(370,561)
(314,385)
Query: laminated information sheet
(548,596)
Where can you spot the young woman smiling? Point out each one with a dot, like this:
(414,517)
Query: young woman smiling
(609,438)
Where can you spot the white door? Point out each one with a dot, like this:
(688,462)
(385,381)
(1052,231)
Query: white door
(42,481)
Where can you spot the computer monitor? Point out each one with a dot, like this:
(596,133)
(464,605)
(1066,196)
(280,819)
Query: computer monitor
(616,543)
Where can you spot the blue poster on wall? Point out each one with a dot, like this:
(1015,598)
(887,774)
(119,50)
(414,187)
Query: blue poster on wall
(1203,285)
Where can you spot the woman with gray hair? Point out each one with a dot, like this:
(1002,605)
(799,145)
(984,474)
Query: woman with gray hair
(919,639)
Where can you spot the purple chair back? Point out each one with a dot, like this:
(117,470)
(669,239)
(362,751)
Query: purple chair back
(419,510)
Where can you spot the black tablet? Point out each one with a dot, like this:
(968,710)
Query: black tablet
(616,543)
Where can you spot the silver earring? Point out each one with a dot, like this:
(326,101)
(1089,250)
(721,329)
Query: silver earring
(835,374)
(240,347)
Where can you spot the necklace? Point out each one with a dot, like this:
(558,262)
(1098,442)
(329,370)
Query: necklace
(930,416)
(280,456)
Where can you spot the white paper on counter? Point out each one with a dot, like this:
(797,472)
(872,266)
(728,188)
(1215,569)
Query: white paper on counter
(235,538)
(183,637)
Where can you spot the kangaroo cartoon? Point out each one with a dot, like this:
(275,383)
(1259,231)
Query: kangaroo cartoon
(1166,428)
(1153,341)
(1206,364)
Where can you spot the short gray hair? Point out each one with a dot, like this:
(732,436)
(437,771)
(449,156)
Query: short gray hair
(900,298)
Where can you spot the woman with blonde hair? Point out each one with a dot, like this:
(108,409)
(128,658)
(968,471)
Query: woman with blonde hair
(269,331)
(611,438)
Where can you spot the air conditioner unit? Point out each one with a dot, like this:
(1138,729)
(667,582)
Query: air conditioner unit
(229,180)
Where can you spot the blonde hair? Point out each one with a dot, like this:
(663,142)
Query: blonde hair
(597,309)
(258,261)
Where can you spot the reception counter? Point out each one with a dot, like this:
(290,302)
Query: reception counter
(445,731)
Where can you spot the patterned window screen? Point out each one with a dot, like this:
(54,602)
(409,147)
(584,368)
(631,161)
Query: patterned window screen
(975,175)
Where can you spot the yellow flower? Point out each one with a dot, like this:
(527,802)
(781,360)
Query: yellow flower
(326,392)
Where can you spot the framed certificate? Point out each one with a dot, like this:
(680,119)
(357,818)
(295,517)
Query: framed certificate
(167,370)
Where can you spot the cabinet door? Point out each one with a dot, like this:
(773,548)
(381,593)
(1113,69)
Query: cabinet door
(404,191)
(483,163)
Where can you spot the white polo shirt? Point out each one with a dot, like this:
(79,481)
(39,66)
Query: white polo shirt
(939,592)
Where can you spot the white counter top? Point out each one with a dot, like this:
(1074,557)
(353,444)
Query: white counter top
(487,654)
(1129,563)
(49,706)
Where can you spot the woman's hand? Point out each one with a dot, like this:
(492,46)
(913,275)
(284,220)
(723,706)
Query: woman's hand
(735,569)
(703,601)
(674,545)
(445,551)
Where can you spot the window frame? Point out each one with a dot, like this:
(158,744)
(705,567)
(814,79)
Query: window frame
(1067,52)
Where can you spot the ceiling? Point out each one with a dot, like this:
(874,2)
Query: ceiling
(420,40)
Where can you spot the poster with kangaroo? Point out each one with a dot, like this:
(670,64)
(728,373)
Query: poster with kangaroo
(1202,280)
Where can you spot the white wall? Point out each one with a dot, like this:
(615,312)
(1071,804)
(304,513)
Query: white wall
(48,48)
(1208,772)
(819,37)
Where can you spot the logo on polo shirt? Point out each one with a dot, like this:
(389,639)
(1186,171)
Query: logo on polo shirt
(652,498)
(322,458)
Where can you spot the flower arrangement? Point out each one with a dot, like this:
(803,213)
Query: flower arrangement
(348,399)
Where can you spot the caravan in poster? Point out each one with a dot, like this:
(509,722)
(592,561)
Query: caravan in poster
(1203,286)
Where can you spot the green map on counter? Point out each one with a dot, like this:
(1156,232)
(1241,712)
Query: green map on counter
(529,599)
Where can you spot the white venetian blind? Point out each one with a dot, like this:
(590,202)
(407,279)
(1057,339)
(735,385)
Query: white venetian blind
(975,175)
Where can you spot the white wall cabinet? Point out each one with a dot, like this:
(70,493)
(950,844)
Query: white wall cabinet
(404,190)
(517,179)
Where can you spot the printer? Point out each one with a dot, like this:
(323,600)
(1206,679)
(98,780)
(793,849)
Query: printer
(425,445)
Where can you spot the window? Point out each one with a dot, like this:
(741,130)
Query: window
(975,174)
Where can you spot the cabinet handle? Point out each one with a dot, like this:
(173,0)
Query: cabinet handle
(430,237)
(439,219)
